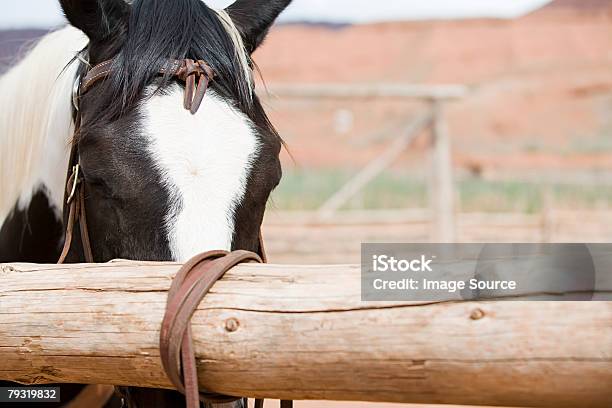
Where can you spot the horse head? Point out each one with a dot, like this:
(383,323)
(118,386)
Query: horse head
(161,182)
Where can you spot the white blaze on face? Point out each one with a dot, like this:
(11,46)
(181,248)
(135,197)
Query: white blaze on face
(205,160)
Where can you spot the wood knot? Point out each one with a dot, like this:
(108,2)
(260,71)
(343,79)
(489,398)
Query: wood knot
(477,314)
(6,269)
(232,325)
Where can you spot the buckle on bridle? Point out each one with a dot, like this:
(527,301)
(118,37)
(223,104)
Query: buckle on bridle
(197,76)
(75,180)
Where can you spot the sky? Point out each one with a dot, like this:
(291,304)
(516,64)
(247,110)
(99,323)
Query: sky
(46,13)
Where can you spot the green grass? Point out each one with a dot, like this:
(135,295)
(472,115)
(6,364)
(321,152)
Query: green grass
(595,144)
(307,190)
(601,143)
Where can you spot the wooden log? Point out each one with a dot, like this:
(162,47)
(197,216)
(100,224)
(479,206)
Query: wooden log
(303,333)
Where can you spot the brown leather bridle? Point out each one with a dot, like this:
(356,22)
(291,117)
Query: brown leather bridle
(196,277)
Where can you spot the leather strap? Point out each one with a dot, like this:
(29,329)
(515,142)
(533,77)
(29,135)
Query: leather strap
(77,214)
(74,205)
(196,75)
(188,72)
(188,289)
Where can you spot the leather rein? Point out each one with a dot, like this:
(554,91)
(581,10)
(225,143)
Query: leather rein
(196,277)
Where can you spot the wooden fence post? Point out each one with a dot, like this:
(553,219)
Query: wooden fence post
(441,193)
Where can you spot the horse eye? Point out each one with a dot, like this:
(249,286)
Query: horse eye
(96,182)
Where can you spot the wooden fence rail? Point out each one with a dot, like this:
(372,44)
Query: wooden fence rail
(302,332)
(371,90)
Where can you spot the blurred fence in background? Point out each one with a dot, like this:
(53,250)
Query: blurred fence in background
(331,233)
(302,237)
(441,196)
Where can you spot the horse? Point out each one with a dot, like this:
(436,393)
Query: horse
(160,183)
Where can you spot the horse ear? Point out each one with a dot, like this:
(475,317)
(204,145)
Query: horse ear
(98,19)
(254,19)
